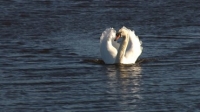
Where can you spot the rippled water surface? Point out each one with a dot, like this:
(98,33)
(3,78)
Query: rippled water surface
(49,51)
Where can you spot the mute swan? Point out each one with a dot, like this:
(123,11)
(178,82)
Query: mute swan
(125,52)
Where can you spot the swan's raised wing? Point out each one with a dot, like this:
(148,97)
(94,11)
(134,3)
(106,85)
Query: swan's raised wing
(134,48)
(108,48)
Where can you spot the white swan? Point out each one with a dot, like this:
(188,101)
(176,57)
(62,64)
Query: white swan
(125,52)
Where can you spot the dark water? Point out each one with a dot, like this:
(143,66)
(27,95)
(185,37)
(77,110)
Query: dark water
(45,47)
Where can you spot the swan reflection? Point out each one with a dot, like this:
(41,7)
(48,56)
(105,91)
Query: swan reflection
(125,82)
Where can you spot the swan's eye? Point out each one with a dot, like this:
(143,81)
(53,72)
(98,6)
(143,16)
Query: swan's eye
(118,34)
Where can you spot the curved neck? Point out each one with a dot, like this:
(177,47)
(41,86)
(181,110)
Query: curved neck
(122,49)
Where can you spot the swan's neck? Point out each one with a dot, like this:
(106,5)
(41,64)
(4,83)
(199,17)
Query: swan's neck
(122,49)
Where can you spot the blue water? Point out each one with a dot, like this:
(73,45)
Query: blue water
(49,48)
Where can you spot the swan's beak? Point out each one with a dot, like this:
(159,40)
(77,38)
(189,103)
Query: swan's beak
(118,35)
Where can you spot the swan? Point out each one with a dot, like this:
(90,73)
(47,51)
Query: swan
(114,51)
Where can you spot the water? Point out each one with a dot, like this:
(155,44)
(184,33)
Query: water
(45,47)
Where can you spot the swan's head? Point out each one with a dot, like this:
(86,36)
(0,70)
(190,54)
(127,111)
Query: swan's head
(121,33)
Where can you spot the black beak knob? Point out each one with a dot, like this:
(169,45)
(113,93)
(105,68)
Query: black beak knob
(118,34)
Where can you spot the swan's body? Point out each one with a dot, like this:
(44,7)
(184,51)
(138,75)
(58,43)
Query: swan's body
(125,52)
